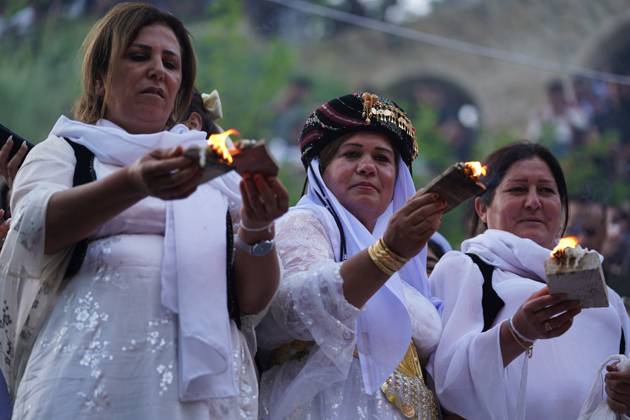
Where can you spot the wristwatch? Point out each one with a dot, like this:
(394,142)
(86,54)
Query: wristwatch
(257,249)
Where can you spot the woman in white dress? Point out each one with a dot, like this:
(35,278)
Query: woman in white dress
(510,349)
(122,294)
(353,318)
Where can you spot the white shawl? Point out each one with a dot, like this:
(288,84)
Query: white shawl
(467,366)
(383,329)
(194,263)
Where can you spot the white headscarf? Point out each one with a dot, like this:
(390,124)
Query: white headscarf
(194,261)
(383,329)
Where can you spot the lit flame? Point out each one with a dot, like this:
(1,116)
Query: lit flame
(475,170)
(217,142)
(566,242)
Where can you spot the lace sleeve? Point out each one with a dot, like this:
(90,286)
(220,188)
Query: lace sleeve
(310,304)
(302,242)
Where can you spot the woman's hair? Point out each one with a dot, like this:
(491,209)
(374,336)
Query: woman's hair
(330,150)
(107,42)
(197,105)
(499,163)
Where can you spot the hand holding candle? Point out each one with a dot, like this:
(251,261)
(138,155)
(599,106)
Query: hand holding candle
(247,156)
(577,272)
(458,183)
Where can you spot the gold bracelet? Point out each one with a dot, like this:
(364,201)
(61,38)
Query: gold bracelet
(391,253)
(384,259)
(389,258)
(528,347)
(377,261)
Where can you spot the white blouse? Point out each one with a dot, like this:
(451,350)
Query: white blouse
(468,367)
(310,306)
(109,349)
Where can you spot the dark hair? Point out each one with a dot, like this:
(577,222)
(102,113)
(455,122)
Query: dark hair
(106,43)
(499,163)
(196,105)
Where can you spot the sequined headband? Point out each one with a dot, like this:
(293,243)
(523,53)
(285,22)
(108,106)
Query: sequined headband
(357,112)
(385,112)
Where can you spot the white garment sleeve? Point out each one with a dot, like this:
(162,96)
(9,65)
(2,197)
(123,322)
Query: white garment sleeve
(30,277)
(467,366)
(47,169)
(310,304)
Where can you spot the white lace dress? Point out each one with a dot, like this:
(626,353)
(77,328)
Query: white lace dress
(310,306)
(108,349)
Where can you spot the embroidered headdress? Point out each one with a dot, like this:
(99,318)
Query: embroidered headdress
(358,112)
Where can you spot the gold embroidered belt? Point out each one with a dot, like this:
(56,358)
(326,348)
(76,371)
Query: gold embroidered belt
(405,388)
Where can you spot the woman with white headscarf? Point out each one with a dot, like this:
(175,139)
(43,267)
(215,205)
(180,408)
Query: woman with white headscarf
(353,317)
(511,349)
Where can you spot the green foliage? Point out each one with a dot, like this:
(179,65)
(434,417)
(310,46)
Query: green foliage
(247,75)
(590,171)
(40,80)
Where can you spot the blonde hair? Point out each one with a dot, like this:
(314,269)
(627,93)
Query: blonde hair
(108,40)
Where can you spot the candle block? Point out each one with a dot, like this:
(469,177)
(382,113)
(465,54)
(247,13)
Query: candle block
(456,184)
(578,273)
(247,156)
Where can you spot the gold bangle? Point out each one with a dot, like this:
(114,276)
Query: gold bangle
(384,259)
(528,347)
(376,259)
(391,253)
(389,258)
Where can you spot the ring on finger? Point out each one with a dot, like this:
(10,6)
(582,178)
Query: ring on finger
(548,326)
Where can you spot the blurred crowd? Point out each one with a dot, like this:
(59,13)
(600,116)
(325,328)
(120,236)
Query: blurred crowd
(592,115)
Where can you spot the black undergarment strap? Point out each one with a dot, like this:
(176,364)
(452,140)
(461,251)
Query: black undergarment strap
(83,173)
(491,303)
(232,301)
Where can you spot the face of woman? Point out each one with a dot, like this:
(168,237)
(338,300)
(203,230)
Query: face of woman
(145,81)
(362,175)
(526,203)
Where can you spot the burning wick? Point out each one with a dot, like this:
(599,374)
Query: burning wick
(566,242)
(217,143)
(475,170)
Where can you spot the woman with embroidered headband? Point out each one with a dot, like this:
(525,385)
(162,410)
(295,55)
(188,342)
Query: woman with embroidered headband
(353,319)
(510,349)
(122,289)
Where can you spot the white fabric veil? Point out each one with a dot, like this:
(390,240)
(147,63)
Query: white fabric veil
(383,329)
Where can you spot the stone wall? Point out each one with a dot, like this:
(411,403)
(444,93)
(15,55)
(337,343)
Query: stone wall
(572,33)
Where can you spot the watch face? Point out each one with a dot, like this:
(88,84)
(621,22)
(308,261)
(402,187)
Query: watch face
(262,248)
